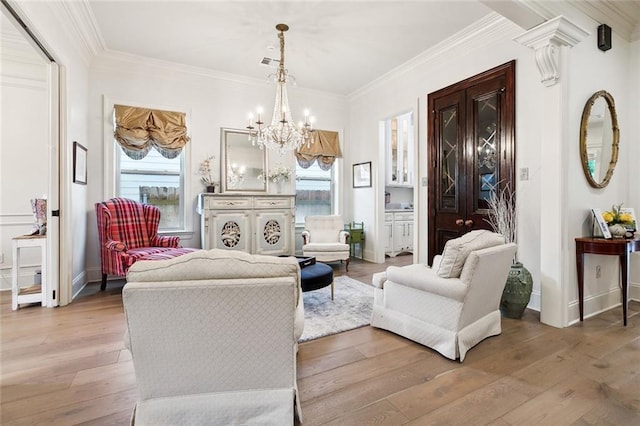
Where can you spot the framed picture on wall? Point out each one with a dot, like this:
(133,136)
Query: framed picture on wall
(79,164)
(362,175)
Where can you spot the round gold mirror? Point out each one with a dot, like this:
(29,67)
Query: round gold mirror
(599,138)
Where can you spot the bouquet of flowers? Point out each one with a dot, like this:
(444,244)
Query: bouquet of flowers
(205,171)
(277,174)
(617,216)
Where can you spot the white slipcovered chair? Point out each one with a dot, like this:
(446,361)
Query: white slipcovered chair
(213,337)
(325,239)
(453,305)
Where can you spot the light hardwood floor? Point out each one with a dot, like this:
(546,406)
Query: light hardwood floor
(68,366)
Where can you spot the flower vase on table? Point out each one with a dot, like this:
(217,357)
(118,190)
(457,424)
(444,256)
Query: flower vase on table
(621,222)
(278,176)
(617,230)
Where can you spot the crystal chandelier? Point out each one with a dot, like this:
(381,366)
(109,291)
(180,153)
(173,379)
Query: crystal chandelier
(282,134)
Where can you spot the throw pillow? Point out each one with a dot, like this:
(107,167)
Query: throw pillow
(456,251)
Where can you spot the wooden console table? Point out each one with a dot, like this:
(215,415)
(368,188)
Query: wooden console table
(615,247)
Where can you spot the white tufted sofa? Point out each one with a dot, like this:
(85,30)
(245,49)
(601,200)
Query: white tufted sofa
(213,336)
(453,305)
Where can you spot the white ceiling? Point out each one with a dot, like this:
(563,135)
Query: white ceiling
(333,46)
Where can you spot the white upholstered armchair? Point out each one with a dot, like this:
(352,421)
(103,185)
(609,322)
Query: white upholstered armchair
(213,338)
(325,239)
(453,305)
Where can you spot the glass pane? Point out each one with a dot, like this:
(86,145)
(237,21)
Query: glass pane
(486,111)
(394,150)
(448,146)
(313,192)
(154,180)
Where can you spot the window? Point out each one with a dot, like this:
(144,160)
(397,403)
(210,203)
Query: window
(149,158)
(314,191)
(154,180)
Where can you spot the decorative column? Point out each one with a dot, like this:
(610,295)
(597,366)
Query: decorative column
(550,42)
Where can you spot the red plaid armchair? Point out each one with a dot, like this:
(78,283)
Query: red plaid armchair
(128,232)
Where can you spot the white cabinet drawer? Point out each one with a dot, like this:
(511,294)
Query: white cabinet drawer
(218,203)
(404,216)
(388,217)
(274,202)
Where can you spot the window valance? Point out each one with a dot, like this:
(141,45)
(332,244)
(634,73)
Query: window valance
(325,149)
(140,129)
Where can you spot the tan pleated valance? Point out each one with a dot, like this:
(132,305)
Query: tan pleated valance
(325,149)
(140,129)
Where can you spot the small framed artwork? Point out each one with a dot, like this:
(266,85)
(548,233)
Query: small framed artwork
(633,226)
(79,164)
(362,175)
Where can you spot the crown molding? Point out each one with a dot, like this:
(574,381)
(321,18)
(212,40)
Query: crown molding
(84,22)
(622,16)
(111,60)
(480,32)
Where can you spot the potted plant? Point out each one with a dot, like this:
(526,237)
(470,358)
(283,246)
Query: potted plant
(503,219)
(205,171)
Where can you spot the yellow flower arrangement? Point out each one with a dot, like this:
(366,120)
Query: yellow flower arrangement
(615,216)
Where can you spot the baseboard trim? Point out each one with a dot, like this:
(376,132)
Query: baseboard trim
(596,304)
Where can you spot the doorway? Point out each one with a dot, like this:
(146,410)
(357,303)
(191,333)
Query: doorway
(30,149)
(471,146)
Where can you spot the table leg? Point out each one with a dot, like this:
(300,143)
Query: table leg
(580,270)
(624,279)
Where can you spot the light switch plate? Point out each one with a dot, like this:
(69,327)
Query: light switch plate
(424,181)
(524,173)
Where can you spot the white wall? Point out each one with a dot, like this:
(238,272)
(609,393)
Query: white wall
(633,148)
(588,70)
(592,70)
(211,102)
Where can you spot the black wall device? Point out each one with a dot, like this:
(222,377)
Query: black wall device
(604,37)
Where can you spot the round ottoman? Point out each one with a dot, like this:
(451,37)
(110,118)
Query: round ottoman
(316,276)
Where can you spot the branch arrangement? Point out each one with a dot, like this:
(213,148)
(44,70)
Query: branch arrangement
(502,213)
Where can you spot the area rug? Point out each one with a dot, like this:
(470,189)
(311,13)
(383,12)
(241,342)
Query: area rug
(351,308)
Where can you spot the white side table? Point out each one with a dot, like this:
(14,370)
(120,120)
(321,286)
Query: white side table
(32,294)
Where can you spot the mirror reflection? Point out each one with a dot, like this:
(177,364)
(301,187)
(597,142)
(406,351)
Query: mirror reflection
(243,163)
(599,139)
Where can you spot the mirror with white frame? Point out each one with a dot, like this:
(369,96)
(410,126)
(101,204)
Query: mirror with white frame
(599,139)
(242,163)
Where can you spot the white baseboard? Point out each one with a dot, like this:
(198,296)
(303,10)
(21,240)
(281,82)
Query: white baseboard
(596,304)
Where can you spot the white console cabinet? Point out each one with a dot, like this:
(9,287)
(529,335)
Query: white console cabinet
(398,232)
(257,224)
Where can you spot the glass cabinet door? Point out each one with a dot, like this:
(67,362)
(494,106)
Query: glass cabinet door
(399,141)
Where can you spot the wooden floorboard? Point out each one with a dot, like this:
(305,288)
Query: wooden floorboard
(69,366)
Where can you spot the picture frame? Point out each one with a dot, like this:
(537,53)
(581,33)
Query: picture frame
(362,175)
(634,226)
(79,164)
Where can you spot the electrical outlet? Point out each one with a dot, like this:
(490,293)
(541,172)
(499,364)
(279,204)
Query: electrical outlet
(598,271)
